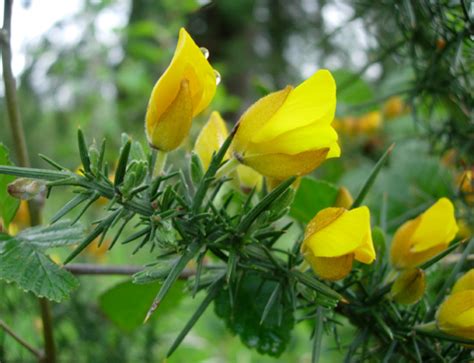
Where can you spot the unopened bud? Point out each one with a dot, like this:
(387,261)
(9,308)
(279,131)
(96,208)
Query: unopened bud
(409,286)
(26,189)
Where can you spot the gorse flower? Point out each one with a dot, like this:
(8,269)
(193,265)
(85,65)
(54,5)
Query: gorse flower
(184,90)
(336,237)
(210,139)
(420,239)
(409,286)
(289,132)
(455,316)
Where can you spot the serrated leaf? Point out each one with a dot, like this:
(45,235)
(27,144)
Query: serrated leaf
(244,315)
(25,264)
(126,304)
(8,204)
(312,196)
(59,234)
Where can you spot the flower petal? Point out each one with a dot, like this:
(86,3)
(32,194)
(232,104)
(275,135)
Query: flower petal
(347,234)
(466,282)
(190,64)
(210,139)
(313,101)
(456,314)
(282,166)
(174,123)
(331,268)
(437,226)
(307,138)
(256,116)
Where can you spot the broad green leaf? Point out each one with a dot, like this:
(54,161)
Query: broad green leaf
(25,264)
(244,315)
(312,196)
(126,304)
(59,234)
(8,204)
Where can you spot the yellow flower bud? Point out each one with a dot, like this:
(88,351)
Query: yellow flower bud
(183,91)
(409,286)
(466,282)
(344,198)
(210,139)
(455,316)
(420,239)
(334,238)
(289,132)
(393,107)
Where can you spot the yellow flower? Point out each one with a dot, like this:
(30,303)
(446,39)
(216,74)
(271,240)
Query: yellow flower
(184,90)
(466,282)
(466,185)
(409,286)
(344,198)
(369,122)
(455,316)
(289,132)
(420,239)
(394,107)
(334,238)
(210,139)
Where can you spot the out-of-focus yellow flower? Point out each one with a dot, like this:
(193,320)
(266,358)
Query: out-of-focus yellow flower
(96,252)
(344,198)
(466,185)
(466,282)
(420,239)
(394,107)
(210,139)
(455,316)
(334,238)
(289,132)
(184,90)
(409,286)
(370,122)
(465,230)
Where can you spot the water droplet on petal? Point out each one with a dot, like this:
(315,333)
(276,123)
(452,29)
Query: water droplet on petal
(218,77)
(204,52)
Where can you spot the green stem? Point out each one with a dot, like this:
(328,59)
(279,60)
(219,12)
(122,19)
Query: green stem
(20,340)
(160,162)
(21,151)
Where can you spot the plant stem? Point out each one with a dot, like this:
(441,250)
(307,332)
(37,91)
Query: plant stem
(49,348)
(20,340)
(92,269)
(160,162)
(21,151)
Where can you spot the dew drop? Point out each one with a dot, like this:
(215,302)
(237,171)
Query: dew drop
(204,52)
(218,77)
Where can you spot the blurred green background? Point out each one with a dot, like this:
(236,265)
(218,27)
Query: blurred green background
(404,75)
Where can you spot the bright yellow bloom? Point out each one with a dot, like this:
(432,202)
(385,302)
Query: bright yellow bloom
(420,239)
(466,282)
(184,90)
(455,316)
(344,198)
(289,132)
(210,139)
(334,238)
(409,286)
(393,107)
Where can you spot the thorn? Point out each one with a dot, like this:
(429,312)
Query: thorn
(152,309)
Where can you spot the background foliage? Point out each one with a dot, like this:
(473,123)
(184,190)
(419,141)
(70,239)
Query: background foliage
(421,53)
